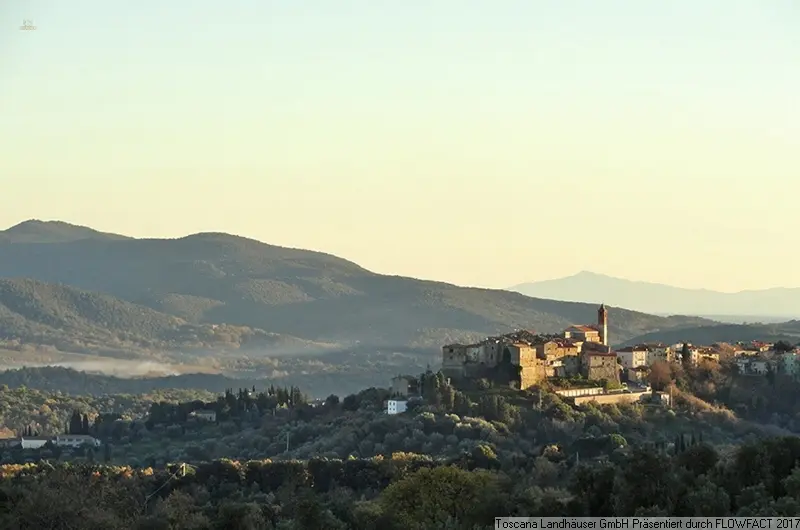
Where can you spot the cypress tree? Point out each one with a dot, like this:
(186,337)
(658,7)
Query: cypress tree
(686,357)
(75,423)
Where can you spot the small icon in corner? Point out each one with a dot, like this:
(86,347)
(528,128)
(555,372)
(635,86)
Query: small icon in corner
(27,25)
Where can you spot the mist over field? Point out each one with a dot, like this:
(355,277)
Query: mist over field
(116,368)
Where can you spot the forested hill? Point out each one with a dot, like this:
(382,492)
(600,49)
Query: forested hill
(74,320)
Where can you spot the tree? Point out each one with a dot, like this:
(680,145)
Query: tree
(242,516)
(594,486)
(428,498)
(707,499)
(75,423)
(686,356)
(770,375)
(660,376)
(648,480)
(700,459)
(782,346)
(617,440)
(350,402)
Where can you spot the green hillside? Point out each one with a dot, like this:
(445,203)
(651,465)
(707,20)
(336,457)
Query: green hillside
(215,278)
(73,320)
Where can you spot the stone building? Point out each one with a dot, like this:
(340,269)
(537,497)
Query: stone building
(518,349)
(405,385)
(600,365)
(537,356)
(597,333)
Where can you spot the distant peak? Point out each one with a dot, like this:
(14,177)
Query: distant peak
(36,223)
(590,274)
(39,231)
(217,236)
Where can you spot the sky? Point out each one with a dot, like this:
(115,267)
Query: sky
(478,142)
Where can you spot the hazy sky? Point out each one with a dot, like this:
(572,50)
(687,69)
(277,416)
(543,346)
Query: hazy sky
(477,142)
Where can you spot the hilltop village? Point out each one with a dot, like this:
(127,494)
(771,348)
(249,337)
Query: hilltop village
(582,352)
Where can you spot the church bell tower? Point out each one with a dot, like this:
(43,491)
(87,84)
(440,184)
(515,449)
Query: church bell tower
(602,324)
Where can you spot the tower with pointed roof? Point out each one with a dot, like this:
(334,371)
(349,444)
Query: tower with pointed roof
(602,324)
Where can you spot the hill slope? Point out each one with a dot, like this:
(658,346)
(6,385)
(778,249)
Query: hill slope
(34,312)
(213,278)
(787,331)
(665,299)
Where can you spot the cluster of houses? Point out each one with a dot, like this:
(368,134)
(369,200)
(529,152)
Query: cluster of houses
(760,358)
(749,358)
(583,350)
(635,361)
(580,350)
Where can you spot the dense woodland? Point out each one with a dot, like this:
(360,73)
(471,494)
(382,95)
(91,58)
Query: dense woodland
(405,490)
(275,459)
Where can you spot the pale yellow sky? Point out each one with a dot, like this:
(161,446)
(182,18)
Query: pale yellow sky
(484,146)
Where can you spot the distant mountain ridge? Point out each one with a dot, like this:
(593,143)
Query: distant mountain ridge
(774,304)
(215,278)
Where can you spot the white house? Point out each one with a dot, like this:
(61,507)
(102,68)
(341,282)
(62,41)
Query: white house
(76,440)
(395,406)
(752,365)
(632,356)
(33,442)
